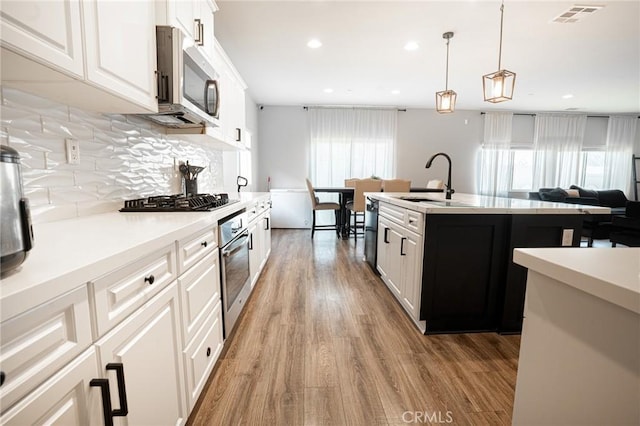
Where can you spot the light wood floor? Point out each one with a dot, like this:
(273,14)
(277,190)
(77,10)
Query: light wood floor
(322,341)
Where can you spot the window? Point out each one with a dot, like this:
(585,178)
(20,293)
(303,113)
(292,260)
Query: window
(348,142)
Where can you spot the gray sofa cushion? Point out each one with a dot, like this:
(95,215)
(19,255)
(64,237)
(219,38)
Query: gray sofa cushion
(556,194)
(612,198)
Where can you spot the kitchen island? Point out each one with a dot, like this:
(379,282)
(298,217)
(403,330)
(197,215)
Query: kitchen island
(457,272)
(579,357)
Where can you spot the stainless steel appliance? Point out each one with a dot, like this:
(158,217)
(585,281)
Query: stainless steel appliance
(16,232)
(188,92)
(233,237)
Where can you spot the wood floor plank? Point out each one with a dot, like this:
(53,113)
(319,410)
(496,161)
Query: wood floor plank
(323,341)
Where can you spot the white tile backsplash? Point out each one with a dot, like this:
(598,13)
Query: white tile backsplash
(121,157)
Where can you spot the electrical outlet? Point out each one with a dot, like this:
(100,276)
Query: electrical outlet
(567,237)
(73,151)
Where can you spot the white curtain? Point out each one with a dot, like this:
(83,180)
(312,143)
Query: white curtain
(348,142)
(557,144)
(621,133)
(496,159)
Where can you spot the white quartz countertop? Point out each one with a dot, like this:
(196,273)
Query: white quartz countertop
(69,253)
(612,274)
(435,203)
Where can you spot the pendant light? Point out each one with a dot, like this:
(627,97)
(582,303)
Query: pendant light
(498,86)
(446,100)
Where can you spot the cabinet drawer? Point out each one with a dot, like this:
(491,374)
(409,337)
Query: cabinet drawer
(195,247)
(119,293)
(201,355)
(37,343)
(199,293)
(253,211)
(65,399)
(393,213)
(414,221)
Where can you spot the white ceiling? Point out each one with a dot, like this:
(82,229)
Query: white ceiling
(362,58)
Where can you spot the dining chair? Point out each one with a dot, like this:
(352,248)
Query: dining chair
(358,205)
(396,185)
(435,184)
(350,183)
(317,205)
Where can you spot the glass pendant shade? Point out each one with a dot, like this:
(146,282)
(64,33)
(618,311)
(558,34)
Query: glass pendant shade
(446,101)
(498,86)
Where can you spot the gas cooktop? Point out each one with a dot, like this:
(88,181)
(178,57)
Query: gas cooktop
(178,203)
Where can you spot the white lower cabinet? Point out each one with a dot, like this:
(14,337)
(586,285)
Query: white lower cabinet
(67,398)
(202,353)
(260,241)
(400,256)
(147,344)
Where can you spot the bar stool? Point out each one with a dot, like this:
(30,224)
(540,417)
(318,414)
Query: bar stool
(317,205)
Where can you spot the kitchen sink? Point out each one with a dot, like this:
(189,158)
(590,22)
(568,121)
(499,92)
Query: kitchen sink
(445,203)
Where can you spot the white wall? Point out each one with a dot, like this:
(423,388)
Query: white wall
(284,144)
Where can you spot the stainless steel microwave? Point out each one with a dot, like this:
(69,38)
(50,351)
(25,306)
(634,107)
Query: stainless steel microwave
(188,90)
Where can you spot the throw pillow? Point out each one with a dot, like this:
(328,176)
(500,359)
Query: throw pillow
(585,192)
(557,194)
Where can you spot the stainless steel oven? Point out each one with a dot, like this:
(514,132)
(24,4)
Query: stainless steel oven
(234,260)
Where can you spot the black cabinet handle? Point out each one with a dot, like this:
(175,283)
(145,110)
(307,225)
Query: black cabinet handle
(103,384)
(251,241)
(150,279)
(208,352)
(402,253)
(203,244)
(2,377)
(386,235)
(238,134)
(267,228)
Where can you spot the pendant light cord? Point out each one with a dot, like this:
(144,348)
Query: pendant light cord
(500,50)
(446,84)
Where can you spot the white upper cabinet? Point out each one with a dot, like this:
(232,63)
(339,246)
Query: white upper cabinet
(121,48)
(232,102)
(50,31)
(195,19)
(98,55)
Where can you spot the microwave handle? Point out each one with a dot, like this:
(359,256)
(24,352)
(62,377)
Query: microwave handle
(206,97)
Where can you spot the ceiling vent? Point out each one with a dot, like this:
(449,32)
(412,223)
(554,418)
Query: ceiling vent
(576,13)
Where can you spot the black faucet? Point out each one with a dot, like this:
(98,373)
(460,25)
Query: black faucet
(449,189)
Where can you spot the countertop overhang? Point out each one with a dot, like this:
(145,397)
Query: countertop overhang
(611,274)
(68,252)
(435,203)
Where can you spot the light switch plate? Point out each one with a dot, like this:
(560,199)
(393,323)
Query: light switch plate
(567,237)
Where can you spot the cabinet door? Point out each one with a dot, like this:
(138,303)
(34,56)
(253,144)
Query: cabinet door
(148,344)
(412,274)
(47,30)
(121,49)
(255,258)
(266,237)
(65,399)
(184,15)
(391,271)
(383,247)
(206,10)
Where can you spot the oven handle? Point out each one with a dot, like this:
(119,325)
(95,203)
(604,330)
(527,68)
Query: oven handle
(236,244)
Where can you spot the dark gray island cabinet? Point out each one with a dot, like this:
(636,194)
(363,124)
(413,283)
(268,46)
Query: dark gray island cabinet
(450,263)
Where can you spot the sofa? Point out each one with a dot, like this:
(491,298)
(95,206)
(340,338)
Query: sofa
(597,226)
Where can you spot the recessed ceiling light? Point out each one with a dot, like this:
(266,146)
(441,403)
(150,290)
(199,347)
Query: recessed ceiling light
(328,90)
(411,45)
(567,96)
(395,92)
(314,43)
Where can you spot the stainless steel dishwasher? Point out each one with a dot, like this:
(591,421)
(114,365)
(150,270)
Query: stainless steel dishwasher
(371,233)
